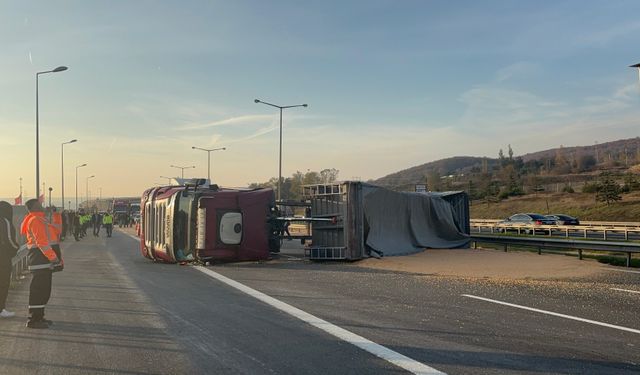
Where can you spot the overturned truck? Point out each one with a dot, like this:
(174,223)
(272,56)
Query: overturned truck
(368,220)
(193,220)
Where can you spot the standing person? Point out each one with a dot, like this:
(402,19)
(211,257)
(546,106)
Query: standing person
(57,222)
(84,223)
(42,259)
(96,219)
(65,225)
(75,217)
(8,249)
(107,221)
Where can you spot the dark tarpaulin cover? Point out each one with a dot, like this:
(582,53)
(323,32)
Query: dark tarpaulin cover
(404,223)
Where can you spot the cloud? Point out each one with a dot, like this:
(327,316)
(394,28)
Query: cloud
(238,120)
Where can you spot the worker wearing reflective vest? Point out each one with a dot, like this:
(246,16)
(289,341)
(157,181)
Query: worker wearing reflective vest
(107,221)
(42,260)
(56,234)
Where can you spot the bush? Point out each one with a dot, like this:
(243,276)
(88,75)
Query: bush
(590,188)
(568,189)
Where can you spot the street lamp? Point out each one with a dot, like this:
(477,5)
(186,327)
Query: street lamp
(637,66)
(208,150)
(182,168)
(79,166)
(168,178)
(62,163)
(86,185)
(56,70)
(50,190)
(280,157)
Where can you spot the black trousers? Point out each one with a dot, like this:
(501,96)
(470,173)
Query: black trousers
(39,294)
(5,281)
(109,229)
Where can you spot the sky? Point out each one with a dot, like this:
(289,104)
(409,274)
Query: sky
(389,85)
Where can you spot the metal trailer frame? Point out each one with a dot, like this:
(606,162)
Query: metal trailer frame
(341,238)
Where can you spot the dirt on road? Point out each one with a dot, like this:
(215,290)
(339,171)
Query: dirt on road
(487,263)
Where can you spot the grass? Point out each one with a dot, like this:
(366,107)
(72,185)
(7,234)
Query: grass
(580,205)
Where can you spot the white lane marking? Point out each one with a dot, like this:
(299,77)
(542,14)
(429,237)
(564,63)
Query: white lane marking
(626,290)
(554,314)
(290,257)
(129,234)
(387,354)
(628,271)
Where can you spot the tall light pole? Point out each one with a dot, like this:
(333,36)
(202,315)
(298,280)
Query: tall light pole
(62,164)
(86,185)
(56,70)
(208,150)
(168,178)
(281,107)
(637,66)
(182,168)
(79,166)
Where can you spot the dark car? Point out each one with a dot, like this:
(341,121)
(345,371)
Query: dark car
(562,219)
(525,220)
(530,218)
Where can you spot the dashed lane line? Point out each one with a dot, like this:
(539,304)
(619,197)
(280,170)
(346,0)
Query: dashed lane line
(554,314)
(378,350)
(626,290)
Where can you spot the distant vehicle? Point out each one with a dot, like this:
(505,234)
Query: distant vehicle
(562,219)
(526,219)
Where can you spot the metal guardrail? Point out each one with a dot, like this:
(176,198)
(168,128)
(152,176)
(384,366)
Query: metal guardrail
(19,263)
(565,230)
(607,224)
(627,248)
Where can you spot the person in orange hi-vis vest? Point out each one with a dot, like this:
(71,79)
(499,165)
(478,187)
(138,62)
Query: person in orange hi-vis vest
(56,232)
(42,260)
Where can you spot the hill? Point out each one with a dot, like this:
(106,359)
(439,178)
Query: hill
(552,167)
(417,175)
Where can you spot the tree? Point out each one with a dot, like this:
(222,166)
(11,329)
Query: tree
(329,175)
(631,182)
(510,152)
(562,165)
(433,180)
(586,163)
(608,189)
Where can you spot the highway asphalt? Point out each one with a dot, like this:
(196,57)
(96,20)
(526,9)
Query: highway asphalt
(116,312)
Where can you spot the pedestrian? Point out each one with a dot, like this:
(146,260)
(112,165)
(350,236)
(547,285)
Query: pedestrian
(107,221)
(8,249)
(65,224)
(42,260)
(96,220)
(76,226)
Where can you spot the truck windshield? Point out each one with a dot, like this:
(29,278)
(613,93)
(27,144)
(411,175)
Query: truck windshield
(183,230)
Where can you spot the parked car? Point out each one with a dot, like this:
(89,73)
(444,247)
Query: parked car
(526,220)
(562,219)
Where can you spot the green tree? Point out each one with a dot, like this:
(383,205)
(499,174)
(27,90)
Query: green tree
(608,189)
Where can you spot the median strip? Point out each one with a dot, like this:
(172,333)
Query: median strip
(554,314)
(380,351)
